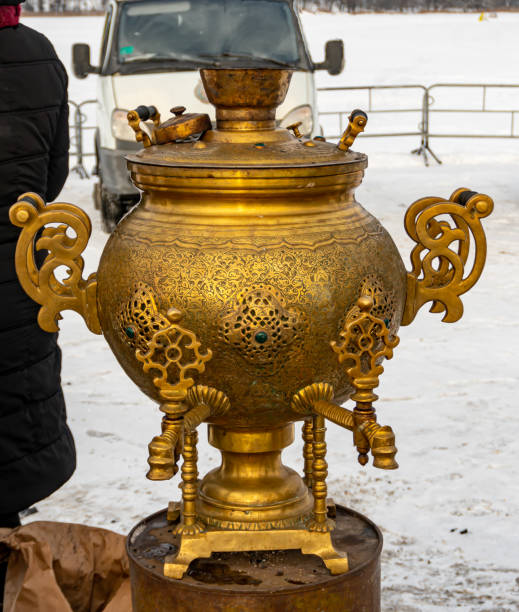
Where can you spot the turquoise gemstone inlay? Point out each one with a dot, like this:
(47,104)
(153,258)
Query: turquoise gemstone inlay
(261,337)
(130,332)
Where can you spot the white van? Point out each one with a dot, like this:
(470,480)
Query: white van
(151,53)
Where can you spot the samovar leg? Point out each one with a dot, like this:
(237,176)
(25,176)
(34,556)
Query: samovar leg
(189,524)
(199,541)
(191,548)
(308,451)
(320,521)
(318,541)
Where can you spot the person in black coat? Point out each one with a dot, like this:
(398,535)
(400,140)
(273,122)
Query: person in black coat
(37,453)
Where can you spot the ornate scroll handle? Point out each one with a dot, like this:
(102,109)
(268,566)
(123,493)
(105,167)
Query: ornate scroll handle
(365,342)
(40,283)
(438,273)
(357,122)
(166,352)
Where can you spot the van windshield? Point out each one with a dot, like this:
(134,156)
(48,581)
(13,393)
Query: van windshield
(208,32)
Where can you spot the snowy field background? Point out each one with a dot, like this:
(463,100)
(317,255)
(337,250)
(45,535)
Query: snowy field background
(450,513)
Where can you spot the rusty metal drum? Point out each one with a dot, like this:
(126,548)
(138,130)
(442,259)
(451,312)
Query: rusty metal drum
(281,581)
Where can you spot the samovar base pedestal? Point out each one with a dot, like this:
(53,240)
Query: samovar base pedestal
(264,581)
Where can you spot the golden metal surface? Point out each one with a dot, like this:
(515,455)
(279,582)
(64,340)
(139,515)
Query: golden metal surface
(164,450)
(204,402)
(161,345)
(143,135)
(189,525)
(166,352)
(251,237)
(179,127)
(357,122)
(203,544)
(294,127)
(308,451)
(252,490)
(41,283)
(319,521)
(246,99)
(365,341)
(442,250)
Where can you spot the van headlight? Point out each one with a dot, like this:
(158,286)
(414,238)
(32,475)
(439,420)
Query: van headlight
(120,128)
(300,113)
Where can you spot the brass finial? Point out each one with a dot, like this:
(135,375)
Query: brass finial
(178,110)
(295,128)
(357,122)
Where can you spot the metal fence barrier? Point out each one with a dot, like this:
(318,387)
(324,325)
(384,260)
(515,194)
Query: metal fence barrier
(77,127)
(427,107)
(423,103)
(372,109)
(483,106)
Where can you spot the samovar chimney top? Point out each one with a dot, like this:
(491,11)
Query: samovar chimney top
(246,99)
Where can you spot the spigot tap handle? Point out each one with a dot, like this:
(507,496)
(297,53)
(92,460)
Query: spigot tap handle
(138,117)
(357,122)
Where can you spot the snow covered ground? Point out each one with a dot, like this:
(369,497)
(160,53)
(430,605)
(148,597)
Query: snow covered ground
(450,513)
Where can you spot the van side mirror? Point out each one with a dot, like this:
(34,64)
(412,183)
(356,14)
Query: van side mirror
(333,58)
(81,61)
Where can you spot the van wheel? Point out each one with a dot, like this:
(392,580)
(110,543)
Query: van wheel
(109,205)
(96,196)
(110,211)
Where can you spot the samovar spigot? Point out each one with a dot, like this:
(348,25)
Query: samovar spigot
(164,450)
(165,355)
(365,342)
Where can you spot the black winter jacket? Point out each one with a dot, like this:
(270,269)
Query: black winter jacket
(37,453)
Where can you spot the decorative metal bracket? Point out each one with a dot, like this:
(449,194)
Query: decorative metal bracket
(438,273)
(166,349)
(365,342)
(40,283)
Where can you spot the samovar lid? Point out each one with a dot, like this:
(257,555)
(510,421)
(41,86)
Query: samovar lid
(245,135)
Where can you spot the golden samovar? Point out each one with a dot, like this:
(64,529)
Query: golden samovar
(249,290)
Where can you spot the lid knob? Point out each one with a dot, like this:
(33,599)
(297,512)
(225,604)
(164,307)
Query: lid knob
(295,128)
(178,110)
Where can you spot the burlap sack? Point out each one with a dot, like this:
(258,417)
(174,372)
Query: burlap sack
(62,567)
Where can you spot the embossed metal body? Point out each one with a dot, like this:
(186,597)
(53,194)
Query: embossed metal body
(250,290)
